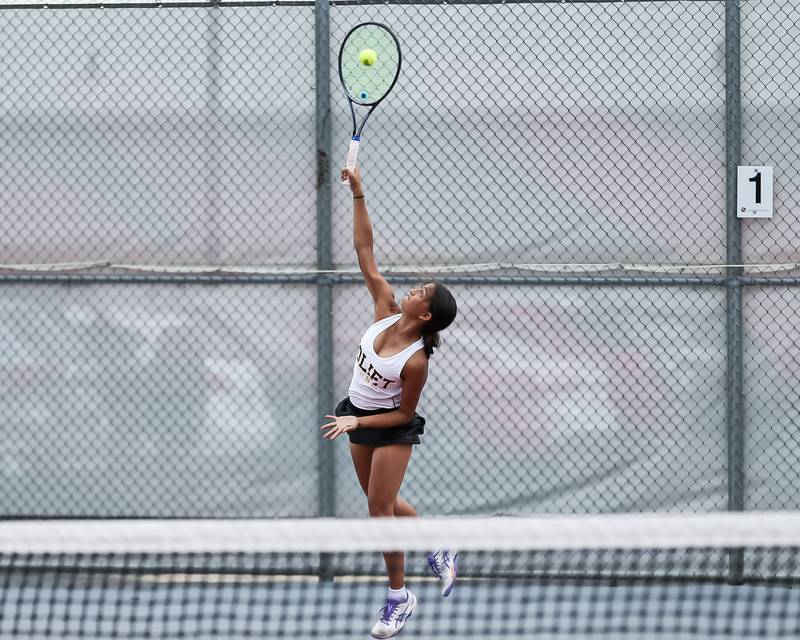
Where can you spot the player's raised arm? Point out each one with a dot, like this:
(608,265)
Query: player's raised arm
(382,294)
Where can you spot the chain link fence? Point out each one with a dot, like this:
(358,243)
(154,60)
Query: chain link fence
(180,304)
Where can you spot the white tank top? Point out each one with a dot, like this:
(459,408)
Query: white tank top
(376,382)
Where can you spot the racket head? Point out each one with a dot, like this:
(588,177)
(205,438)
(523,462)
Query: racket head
(367,85)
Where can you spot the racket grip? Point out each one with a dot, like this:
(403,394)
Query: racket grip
(352,157)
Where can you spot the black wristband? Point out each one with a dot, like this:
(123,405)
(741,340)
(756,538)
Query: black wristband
(358,197)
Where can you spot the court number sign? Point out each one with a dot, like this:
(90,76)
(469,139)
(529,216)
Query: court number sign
(754,192)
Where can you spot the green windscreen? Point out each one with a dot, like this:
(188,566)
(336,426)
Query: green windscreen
(368,83)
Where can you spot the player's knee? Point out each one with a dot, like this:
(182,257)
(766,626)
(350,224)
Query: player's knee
(380,508)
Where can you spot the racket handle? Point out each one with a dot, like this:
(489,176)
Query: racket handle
(352,157)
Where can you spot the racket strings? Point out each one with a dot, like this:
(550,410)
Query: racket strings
(368,84)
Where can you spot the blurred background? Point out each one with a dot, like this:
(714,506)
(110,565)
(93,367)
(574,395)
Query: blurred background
(180,305)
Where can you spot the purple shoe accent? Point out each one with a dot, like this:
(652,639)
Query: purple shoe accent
(455,574)
(388,609)
(434,565)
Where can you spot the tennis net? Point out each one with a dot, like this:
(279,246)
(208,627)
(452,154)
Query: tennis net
(611,576)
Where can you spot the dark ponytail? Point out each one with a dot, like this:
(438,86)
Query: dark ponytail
(443,311)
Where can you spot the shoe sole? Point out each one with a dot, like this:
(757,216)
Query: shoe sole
(394,635)
(449,589)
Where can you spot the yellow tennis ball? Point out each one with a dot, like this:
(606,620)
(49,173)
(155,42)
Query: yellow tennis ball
(367,57)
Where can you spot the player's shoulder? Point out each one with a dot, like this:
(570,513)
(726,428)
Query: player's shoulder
(418,361)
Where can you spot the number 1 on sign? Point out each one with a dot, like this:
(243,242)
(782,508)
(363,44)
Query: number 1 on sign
(757,179)
(754,192)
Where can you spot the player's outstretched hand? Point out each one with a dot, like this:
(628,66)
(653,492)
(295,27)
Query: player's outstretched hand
(340,425)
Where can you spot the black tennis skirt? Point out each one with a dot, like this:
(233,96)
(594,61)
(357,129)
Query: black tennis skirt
(403,434)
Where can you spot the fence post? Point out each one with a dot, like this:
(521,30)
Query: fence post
(212,139)
(326,484)
(734,369)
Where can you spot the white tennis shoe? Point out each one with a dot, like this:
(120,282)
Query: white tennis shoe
(444,565)
(393,617)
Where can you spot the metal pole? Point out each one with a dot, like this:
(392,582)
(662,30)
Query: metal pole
(344,277)
(734,369)
(326,467)
(183,4)
(212,248)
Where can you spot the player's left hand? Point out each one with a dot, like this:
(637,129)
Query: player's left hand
(340,425)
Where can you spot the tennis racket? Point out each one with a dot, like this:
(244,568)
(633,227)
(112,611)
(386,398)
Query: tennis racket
(369,64)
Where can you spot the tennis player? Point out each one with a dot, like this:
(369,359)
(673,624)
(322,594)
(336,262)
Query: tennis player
(379,414)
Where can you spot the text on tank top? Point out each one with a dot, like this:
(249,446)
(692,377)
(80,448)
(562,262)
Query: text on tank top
(376,382)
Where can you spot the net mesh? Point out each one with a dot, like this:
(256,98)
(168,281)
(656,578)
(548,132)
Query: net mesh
(631,576)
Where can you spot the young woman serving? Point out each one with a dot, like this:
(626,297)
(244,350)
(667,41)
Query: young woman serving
(379,413)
